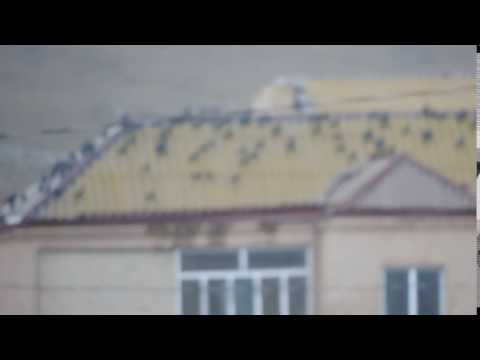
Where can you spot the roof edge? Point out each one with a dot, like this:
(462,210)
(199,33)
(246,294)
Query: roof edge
(305,212)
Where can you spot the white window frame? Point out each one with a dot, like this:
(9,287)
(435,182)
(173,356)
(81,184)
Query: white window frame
(412,288)
(243,272)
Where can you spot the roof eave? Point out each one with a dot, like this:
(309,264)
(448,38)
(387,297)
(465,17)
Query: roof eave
(303,213)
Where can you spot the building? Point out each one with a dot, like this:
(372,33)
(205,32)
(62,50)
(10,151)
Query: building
(328,197)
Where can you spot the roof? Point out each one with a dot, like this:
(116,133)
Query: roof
(365,95)
(396,182)
(265,158)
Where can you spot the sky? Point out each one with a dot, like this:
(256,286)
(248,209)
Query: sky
(83,88)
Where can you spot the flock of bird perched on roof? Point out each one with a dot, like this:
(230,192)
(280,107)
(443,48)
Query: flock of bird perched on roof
(52,185)
(18,206)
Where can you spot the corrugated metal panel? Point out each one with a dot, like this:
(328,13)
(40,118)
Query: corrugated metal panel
(233,161)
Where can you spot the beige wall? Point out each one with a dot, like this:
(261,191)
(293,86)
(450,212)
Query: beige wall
(99,270)
(353,254)
(350,255)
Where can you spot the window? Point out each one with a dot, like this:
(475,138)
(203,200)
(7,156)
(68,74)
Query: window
(244,282)
(413,291)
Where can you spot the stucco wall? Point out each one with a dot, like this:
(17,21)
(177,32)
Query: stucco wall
(350,255)
(91,270)
(353,254)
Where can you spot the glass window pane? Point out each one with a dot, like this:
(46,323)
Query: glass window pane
(244,297)
(297,289)
(217,295)
(397,292)
(264,259)
(271,296)
(209,260)
(428,292)
(190,297)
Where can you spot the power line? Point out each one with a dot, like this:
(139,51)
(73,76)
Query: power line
(55,131)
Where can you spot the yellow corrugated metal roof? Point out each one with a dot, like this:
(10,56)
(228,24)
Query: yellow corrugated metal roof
(270,162)
(363,95)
